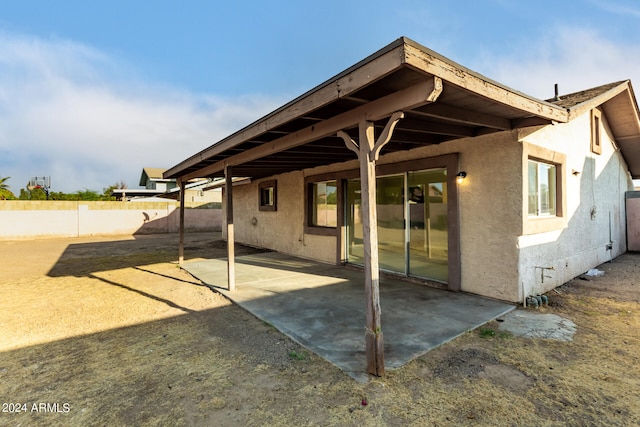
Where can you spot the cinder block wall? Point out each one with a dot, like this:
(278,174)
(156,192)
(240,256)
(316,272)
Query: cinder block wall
(26,219)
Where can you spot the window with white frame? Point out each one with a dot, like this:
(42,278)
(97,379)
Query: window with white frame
(542,188)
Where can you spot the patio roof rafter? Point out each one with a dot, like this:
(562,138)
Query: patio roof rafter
(411,97)
(470,105)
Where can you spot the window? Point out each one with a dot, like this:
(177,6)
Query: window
(595,131)
(324,204)
(542,188)
(324,212)
(268,196)
(544,200)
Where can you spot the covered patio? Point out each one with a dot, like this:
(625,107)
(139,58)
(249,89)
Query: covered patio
(320,306)
(401,98)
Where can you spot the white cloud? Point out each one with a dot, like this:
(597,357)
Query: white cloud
(88,120)
(617,7)
(575,58)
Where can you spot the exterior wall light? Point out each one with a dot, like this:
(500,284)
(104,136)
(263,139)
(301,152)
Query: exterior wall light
(461,176)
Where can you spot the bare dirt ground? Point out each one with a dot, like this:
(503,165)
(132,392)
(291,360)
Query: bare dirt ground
(108,331)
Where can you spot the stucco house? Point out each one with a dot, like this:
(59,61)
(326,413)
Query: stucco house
(152,179)
(410,163)
(157,188)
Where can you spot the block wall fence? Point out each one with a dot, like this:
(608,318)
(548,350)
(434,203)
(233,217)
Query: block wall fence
(39,219)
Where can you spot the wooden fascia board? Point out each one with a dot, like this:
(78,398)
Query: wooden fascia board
(341,86)
(583,107)
(429,62)
(633,112)
(405,99)
(625,90)
(529,121)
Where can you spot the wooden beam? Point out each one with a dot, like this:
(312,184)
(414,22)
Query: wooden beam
(419,94)
(341,86)
(181,231)
(231,267)
(453,114)
(529,121)
(350,143)
(431,63)
(385,136)
(437,128)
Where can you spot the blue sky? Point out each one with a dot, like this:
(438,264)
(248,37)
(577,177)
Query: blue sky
(92,92)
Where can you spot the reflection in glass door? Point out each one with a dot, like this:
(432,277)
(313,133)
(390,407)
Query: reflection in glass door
(417,247)
(428,226)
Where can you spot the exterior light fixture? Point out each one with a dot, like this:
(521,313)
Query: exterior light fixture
(461,176)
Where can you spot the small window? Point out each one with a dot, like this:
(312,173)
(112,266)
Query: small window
(596,118)
(268,196)
(542,189)
(324,212)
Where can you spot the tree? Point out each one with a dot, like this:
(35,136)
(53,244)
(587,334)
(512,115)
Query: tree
(83,195)
(34,194)
(5,193)
(106,192)
(87,194)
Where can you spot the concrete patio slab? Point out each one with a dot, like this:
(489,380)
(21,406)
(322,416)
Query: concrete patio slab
(531,324)
(322,307)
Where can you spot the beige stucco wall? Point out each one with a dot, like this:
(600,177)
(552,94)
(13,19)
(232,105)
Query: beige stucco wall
(594,199)
(490,218)
(283,229)
(490,215)
(49,219)
(498,258)
(489,232)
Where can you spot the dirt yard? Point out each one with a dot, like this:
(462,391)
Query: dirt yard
(108,331)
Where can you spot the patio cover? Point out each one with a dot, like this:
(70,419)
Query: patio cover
(402,97)
(293,137)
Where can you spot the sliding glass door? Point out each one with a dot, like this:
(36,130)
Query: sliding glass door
(428,235)
(412,223)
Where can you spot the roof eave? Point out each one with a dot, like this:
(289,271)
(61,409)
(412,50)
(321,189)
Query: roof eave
(370,69)
(403,52)
(596,101)
(431,62)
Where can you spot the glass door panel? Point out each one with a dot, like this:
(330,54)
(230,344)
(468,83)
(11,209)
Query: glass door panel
(355,249)
(391,227)
(417,247)
(391,224)
(428,235)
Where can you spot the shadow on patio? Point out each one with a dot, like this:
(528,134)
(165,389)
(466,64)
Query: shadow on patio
(322,307)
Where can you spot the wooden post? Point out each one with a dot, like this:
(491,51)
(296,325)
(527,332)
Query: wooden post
(368,150)
(181,244)
(374,337)
(231,267)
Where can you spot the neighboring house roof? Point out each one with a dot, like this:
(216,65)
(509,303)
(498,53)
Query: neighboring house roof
(119,193)
(200,184)
(151,174)
(403,76)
